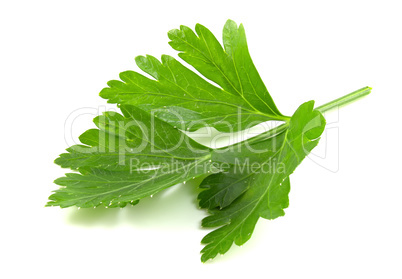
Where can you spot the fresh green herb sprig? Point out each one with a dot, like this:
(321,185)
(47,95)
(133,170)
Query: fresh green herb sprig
(143,150)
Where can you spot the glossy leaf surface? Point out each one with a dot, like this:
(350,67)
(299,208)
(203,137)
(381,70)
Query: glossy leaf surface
(185,100)
(259,191)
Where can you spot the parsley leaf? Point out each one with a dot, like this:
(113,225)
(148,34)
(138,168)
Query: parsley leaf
(267,184)
(130,156)
(184,99)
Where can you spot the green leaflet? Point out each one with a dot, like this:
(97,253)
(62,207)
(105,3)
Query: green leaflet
(223,188)
(130,156)
(231,67)
(265,187)
(184,99)
(121,140)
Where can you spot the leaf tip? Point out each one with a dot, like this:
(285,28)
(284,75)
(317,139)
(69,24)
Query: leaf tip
(140,59)
(230,24)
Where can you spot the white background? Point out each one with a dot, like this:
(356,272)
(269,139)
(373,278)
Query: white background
(344,222)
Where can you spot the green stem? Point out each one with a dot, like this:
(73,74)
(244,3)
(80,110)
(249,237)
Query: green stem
(347,99)
(342,101)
